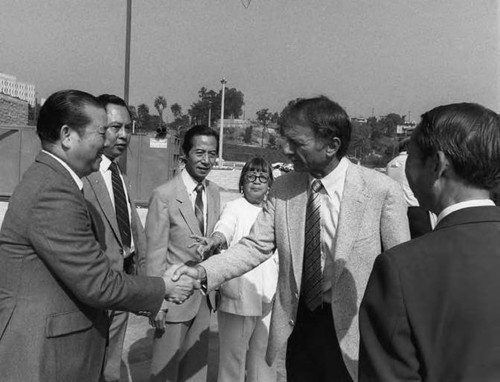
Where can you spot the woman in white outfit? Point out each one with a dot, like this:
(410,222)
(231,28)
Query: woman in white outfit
(245,307)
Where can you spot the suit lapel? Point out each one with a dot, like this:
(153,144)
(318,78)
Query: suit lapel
(352,209)
(295,217)
(186,208)
(102,195)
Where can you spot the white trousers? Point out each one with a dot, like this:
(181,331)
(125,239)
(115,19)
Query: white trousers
(242,347)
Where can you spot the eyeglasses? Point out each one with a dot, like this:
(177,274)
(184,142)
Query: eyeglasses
(252,178)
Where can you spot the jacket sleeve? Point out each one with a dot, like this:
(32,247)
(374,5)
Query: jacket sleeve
(387,352)
(61,233)
(157,236)
(394,220)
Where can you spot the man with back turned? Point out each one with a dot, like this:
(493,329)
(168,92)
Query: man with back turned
(431,310)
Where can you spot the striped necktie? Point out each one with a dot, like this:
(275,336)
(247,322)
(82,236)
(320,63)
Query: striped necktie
(121,209)
(312,289)
(198,207)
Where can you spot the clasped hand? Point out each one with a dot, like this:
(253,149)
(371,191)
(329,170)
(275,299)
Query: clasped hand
(180,283)
(179,289)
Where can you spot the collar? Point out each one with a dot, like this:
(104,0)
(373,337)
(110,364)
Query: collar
(334,181)
(75,177)
(190,182)
(461,205)
(105,163)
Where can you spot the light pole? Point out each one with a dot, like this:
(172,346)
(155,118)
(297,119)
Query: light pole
(221,137)
(209,113)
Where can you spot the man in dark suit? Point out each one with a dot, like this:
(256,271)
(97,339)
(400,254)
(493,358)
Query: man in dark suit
(124,240)
(56,283)
(327,240)
(186,205)
(431,310)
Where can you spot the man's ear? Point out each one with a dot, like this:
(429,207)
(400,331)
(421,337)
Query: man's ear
(333,146)
(65,136)
(441,164)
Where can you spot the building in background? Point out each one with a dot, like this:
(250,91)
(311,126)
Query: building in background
(14,99)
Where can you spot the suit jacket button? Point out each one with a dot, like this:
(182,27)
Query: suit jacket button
(291,322)
(121,251)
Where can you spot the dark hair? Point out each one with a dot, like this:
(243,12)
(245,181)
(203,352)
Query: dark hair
(256,164)
(327,119)
(65,107)
(194,131)
(106,99)
(469,135)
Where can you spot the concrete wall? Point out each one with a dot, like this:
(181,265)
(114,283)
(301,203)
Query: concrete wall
(13,111)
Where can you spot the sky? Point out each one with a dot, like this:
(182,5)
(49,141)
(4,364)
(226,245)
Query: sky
(373,57)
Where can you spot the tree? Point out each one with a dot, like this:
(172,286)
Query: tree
(209,99)
(160,105)
(176,110)
(264,117)
(181,121)
(233,102)
(143,117)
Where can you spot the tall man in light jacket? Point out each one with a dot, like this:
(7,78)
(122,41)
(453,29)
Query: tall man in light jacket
(123,234)
(329,219)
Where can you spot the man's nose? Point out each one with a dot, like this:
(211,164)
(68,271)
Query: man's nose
(107,142)
(123,132)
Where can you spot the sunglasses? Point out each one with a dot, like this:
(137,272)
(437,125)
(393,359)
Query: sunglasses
(252,178)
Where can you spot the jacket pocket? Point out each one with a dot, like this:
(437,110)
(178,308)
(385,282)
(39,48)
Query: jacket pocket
(65,323)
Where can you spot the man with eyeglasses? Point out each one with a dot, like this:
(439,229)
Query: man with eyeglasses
(108,192)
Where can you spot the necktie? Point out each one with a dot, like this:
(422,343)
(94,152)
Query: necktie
(121,209)
(312,290)
(198,207)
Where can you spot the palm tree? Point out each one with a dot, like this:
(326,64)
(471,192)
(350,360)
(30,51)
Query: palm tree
(160,105)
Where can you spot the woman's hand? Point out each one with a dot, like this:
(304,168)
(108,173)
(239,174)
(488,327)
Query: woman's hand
(206,245)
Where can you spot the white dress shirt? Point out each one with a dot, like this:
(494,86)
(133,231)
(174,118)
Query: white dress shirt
(191,184)
(106,174)
(331,198)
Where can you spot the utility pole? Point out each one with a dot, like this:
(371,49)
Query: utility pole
(127,52)
(221,137)
(123,157)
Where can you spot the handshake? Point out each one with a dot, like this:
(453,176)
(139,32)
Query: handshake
(181,282)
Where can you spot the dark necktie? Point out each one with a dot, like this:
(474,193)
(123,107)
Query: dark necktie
(120,205)
(198,207)
(312,289)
